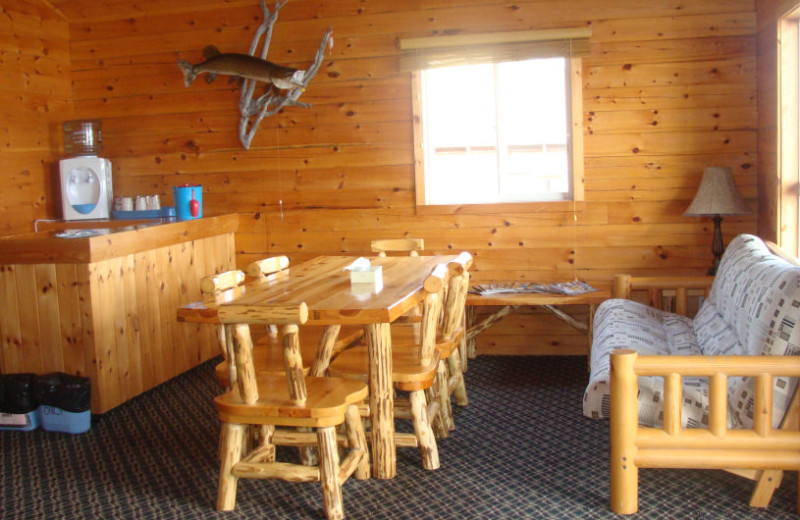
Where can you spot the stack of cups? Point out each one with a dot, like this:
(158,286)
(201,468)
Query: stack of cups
(141,203)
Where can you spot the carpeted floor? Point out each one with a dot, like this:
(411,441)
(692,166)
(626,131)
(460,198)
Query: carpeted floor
(522,449)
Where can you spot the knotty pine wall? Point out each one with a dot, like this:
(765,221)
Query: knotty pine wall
(670,88)
(34,98)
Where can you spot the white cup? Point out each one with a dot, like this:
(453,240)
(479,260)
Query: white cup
(153,202)
(127,204)
(141,203)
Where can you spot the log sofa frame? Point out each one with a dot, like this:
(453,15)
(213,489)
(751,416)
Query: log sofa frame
(761,453)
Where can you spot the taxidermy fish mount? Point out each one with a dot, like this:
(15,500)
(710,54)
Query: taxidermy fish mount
(241,66)
(285,84)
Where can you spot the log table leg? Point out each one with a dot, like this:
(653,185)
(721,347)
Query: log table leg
(381,400)
(490,320)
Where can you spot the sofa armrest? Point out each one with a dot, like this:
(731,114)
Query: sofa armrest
(672,446)
(656,286)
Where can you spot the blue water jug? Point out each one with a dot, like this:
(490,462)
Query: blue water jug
(188,201)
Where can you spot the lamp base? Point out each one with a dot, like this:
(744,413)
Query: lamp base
(717,247)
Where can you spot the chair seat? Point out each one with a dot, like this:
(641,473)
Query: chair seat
(405,335)
(407,371)
(326,402)
(268,351)
(446,347)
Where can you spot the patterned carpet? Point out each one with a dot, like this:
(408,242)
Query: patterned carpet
(522,450)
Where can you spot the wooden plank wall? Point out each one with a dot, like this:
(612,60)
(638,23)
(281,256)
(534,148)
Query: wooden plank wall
(670,88)
(769,182)
(35,93)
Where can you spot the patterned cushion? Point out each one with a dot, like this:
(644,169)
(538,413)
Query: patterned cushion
(758,294)
(752,309)
(714,334)
(627,324)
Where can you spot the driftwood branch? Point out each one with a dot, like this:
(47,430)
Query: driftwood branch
(253,111)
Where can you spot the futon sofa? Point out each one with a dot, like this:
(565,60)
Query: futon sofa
(687,382)
(753,308)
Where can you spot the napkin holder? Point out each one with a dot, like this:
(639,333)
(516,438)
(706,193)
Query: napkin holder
(372,274)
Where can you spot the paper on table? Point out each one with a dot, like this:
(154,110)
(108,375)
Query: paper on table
(569,288)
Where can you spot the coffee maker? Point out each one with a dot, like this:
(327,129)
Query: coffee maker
(86,190)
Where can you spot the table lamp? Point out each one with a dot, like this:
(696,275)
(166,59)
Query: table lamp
(717,196)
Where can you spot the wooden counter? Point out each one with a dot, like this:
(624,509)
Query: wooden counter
(103,306)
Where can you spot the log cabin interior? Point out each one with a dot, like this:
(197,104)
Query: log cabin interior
(668,88)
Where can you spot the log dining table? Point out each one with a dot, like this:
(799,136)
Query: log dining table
(324,285)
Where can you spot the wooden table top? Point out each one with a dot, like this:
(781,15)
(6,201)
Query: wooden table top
(324,285)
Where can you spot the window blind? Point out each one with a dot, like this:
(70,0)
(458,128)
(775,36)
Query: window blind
(471,49)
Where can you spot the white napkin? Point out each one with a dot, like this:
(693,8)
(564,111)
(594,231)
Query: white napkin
(360,264)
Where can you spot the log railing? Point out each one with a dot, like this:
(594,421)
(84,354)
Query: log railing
(659,287)
(717,447)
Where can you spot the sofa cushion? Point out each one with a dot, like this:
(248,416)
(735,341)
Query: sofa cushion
(757,295)
(628,324)
(715,337)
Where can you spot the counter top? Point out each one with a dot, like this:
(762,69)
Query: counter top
(101,240)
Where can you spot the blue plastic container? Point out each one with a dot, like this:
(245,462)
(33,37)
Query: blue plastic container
(188,201)
(54,419)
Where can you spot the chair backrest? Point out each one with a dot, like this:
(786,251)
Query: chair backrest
(410,245)
(217,283)
(267,266)
(456,296)
(433,288)
(264,269)
(239,317)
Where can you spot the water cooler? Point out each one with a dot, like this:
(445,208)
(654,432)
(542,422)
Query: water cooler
(86,190)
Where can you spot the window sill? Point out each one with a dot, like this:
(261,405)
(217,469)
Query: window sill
(501,208)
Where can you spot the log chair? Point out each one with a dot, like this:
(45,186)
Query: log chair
(318,344)
(292,400)
(414,369)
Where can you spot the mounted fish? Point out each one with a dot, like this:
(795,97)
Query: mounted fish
(252,69)
(241,66)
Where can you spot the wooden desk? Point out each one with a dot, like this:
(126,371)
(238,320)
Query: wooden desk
(325,288)
(510,302)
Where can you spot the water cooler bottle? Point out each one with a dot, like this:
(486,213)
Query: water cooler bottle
(86,191)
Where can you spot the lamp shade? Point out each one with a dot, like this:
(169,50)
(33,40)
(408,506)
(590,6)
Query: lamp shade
(717,195)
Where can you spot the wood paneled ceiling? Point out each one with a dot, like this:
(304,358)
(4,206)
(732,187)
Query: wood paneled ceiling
(82,11)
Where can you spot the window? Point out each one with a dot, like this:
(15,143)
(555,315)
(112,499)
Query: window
(788,114)
(497,126)
(497,132)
